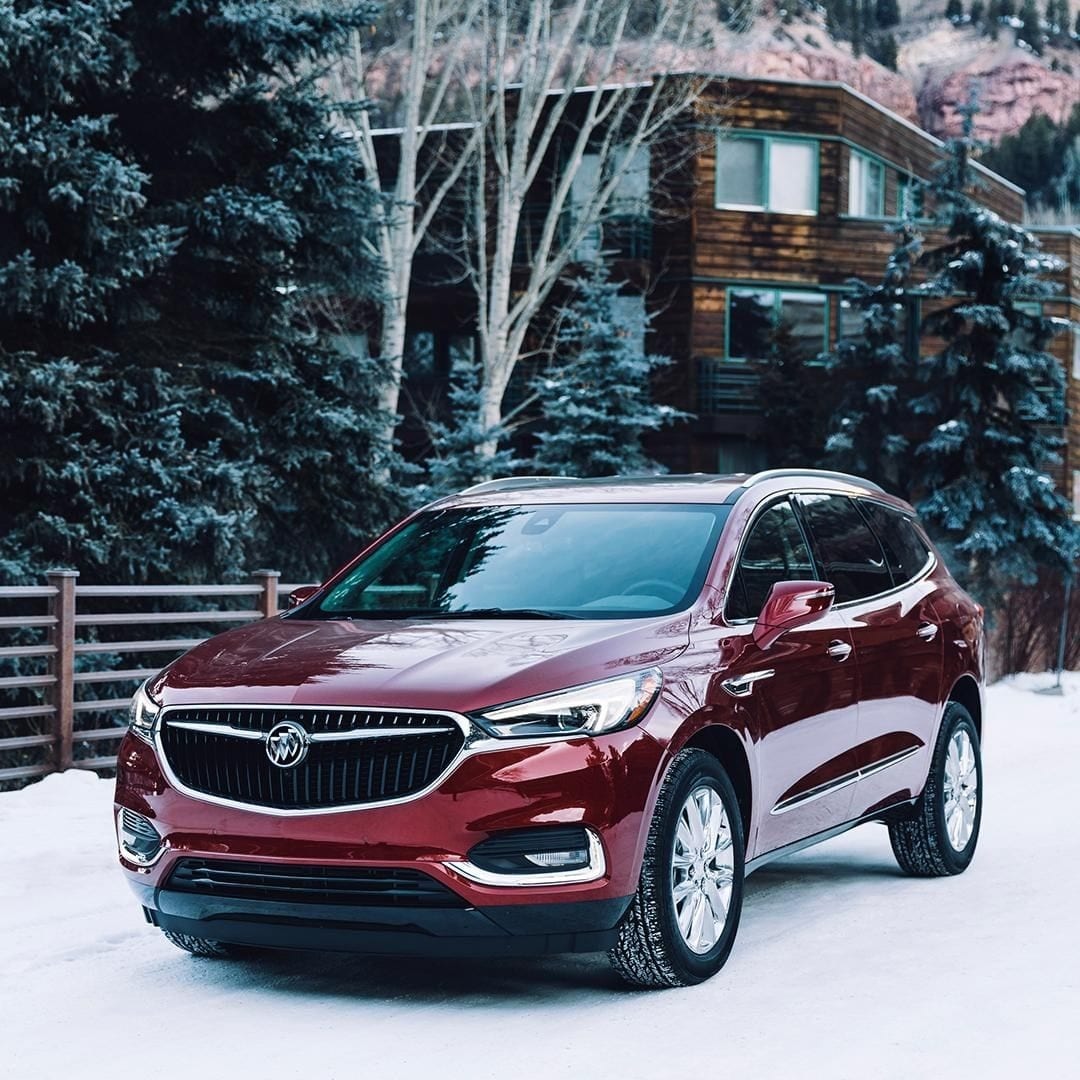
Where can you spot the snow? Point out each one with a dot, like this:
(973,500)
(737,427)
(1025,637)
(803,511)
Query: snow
(843,968)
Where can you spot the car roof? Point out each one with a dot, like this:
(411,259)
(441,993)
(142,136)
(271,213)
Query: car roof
(705,488)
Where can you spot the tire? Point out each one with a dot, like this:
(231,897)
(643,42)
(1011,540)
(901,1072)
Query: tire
(652,950)
(198,946)
(923,843)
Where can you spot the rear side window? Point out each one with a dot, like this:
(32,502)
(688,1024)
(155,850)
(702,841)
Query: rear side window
(774,551)
(848,552)
(905,551)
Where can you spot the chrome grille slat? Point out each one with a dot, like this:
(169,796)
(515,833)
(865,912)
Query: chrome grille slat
(363,757)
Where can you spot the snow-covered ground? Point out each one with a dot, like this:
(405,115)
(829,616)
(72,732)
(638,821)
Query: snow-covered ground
(843,968)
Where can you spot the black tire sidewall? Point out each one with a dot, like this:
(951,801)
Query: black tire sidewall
(957,718)
(694,967)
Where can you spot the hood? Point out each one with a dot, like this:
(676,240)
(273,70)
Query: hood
(453,664)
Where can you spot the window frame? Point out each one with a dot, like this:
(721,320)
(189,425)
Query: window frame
(766,170)
(868,159)
(931,561)
(777,307)
(758,513)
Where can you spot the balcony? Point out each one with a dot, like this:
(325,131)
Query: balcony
(724,388)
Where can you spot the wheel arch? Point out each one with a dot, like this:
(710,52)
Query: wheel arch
(726,745)
(966,691)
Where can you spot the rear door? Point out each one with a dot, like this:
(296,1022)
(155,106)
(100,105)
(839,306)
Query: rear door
(801,692)
(900,666)
(874,557)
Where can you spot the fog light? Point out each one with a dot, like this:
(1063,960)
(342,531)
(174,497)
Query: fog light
(139,841)
(560,860)
(546,855)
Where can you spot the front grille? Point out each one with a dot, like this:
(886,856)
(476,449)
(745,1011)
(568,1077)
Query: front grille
(359,886)
(338,772)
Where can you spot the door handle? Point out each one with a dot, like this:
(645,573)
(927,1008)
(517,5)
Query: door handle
(838,650)
(928,631)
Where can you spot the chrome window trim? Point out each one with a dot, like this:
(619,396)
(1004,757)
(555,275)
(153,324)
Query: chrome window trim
(596,869)
(804,798)
(775,497)
(351,808)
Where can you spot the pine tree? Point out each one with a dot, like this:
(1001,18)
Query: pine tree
(888,13)
(983,486)
(1006,9)
(885,51)
(954,11)
(978,11)
(596,397)
(794,408)
(875,374)
(1031,30)
(173,197)
(455,460)
(1076,26)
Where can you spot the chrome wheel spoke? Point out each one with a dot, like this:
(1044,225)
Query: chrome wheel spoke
(960,790)
(702,869)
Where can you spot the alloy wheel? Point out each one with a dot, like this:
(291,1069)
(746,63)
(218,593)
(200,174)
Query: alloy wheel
(702,869)
(961,790)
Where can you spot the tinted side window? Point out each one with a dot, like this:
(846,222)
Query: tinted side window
(847,550)
(904,549)
(774,551)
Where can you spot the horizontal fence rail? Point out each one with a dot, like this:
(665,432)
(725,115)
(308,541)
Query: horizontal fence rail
(72,655)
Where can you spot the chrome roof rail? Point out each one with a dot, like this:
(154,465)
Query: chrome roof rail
(509,483)
(821,474)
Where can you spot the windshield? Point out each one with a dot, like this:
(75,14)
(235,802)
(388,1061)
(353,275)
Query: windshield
(598,561)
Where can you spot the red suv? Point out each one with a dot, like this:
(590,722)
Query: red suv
(555,715)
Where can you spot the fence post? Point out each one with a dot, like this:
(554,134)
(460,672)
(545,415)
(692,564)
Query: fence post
(268,601)
(62,663)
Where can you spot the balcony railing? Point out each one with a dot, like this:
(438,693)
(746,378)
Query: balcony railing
(720,389)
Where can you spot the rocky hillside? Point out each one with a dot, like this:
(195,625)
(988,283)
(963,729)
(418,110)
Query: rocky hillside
(938,63)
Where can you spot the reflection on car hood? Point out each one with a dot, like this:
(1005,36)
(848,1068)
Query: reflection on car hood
(429,664)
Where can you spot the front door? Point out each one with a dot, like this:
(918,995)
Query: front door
(800,692)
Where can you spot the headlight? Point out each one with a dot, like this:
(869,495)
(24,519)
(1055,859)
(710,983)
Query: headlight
(143,714)
(585,710)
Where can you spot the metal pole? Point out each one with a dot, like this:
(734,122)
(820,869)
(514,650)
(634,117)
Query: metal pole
(1064,628)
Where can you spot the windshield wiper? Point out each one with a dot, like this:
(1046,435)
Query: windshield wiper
(500,613)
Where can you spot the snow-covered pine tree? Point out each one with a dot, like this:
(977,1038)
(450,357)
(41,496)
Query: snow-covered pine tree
(982,486)
(172,194)
(595,397)
(794,404)
(874,376)
(456,458)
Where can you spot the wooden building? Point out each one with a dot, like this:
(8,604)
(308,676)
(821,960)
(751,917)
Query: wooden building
(787,195)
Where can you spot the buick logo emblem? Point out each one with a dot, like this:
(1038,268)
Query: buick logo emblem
(286,744)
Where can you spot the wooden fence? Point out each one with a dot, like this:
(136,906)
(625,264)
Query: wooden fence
(65,704)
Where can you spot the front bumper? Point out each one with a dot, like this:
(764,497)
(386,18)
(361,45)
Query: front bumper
(494,930)
(607,784)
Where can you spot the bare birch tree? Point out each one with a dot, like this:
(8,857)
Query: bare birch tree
(586,75)
(409,68)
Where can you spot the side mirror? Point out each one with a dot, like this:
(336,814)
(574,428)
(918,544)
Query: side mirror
(304,592)
(791,604)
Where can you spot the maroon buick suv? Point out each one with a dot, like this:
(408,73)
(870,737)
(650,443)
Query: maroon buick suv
(557,715)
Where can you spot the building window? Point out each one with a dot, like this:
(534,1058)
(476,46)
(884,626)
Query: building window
(866,186)
(624,227)
(850,325)
(757,172)
(755,316)
(910,198)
